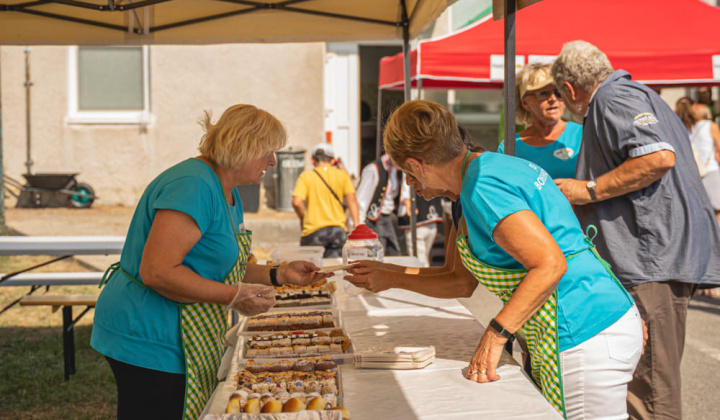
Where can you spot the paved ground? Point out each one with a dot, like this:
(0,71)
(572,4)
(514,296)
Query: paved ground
(701,364)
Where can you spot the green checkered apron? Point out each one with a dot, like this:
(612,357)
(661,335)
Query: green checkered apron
(541,330)
(203,327)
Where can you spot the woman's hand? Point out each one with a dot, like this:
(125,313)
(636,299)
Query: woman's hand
(301,273)
(370,278)
(252,299)
(483,365)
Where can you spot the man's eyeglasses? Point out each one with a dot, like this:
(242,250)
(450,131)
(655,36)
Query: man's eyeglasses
(545,95)
(411,176)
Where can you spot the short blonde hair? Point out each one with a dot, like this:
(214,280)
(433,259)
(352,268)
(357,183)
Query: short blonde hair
(243,133)
(582,64)
(531,77)
(425,131)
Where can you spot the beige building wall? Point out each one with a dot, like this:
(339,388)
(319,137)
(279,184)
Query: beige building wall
(119,160)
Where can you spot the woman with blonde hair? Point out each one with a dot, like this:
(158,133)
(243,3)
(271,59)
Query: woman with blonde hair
(546,140)
(161,318)
(520,239)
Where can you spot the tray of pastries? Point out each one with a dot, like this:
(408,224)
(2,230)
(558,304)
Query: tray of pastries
(298,343)
(288,385)
(320,294)
(291,320)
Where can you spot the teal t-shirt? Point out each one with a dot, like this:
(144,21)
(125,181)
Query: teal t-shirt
(496,186)
(558,158)
(138,326)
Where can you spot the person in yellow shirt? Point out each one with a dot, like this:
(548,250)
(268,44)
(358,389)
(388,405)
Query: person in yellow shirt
(318,201)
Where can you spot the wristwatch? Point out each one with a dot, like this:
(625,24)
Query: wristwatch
(273,275)
(591,189)
(501,330)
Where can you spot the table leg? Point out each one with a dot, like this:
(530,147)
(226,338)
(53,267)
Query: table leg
(68,342)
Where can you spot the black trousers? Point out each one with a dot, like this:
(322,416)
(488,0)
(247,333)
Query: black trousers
(331,237)
(386,228)
(147,393)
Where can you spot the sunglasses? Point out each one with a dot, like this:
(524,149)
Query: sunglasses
(545,95)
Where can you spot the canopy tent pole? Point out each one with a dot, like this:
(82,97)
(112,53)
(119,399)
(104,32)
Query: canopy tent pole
(378,135)
(509,84)
(509,91)
(408,85)
(28,84)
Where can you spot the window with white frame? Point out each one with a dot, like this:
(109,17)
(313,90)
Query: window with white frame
(108,85)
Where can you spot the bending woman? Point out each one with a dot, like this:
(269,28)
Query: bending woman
(521,240)
(161,319)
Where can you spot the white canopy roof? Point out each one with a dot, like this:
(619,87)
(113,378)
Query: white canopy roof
(118,22)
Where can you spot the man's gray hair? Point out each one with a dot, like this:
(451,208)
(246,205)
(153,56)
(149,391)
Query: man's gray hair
(582,64)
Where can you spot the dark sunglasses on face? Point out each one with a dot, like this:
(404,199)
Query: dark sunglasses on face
(545,95)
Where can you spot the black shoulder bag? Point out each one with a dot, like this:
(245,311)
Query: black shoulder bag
(342,204)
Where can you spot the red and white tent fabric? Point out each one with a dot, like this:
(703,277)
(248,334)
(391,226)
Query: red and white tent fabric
(659,42)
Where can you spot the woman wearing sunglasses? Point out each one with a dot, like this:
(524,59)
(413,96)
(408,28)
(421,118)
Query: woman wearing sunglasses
(546,140)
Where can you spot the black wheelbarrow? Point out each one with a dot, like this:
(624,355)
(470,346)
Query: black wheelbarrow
(50,190)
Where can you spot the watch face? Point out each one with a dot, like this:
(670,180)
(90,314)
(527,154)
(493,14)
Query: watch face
(591,184)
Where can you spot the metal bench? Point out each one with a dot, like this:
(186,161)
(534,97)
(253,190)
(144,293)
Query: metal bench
(66,302)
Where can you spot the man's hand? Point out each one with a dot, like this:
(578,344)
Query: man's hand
(575,191)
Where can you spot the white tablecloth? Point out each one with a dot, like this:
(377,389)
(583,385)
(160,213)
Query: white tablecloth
(439,391)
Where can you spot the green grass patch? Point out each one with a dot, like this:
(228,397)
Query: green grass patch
(32,385)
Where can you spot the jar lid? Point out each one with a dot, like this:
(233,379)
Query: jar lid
(362,232)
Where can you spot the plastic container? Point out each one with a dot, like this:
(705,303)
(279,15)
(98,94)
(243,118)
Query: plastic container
(362,244)
(314,254)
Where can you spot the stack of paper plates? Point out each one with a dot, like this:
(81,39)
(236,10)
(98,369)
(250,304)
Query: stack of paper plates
(395,358)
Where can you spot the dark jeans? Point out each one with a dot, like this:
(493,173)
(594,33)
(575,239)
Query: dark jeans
(386,228)
(147,393)
(332,238)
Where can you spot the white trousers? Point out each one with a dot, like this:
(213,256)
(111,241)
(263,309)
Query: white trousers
(425,239)
(596,372)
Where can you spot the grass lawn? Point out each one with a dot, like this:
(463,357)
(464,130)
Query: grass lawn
(31,372)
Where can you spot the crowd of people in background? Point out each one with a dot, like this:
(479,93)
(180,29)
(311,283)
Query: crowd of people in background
(640,187)
(594,236)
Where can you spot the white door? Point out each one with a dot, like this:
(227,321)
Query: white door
(342,103)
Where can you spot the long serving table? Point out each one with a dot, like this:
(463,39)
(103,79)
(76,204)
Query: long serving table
(439,391)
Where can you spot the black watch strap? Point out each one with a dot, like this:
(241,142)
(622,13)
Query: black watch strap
(501,330)
(273,276)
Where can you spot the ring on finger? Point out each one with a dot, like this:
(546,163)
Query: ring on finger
(482,372)
(473,372)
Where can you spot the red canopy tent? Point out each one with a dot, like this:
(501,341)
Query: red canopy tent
(659,42)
